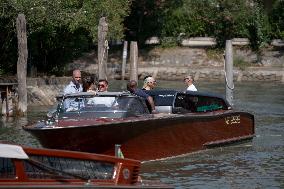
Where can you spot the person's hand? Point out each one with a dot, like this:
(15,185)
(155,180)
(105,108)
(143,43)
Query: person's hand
(154,112)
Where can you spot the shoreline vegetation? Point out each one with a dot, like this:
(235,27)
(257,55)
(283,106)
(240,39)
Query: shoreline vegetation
(64,36)
(58,33)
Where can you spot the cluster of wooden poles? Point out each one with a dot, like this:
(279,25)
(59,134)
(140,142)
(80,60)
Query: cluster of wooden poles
(102,64)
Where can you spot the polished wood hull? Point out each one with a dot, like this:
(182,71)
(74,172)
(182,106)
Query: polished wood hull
(150,138)
(46,185)
(48,168)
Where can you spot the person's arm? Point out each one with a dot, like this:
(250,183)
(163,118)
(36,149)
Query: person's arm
(151,102)
(66,90)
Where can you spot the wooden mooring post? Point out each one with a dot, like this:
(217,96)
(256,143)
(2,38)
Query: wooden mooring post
(6,99)
(229,80)
(134,61)
(124,58)
(102,48)
(22,64)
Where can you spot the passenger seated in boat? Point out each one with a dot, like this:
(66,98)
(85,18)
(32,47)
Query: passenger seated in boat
(102,101)
(89,84)
(74,86)
(149,83)
(132,88)
(103,85)
(188,80)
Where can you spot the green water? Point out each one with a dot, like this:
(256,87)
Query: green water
(256,164)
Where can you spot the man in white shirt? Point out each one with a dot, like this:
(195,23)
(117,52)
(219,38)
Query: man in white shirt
(75,85)
(188,80)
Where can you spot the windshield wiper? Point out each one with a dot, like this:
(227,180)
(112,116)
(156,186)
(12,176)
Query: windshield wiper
(54,171)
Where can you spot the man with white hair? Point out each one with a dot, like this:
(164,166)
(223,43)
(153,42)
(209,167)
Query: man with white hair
(188,80)
(149,83)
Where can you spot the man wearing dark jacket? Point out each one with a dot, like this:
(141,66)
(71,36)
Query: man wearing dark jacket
(132,87)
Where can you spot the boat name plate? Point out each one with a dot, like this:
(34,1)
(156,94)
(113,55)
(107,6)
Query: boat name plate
(235,119)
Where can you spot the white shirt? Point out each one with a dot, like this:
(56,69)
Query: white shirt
(71,105)
(71,88)
(191,88)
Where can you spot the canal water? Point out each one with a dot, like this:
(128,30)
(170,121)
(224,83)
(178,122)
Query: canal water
(254,165)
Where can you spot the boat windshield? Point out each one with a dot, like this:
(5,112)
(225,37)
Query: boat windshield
(102,106)
(195,102)
(52,167)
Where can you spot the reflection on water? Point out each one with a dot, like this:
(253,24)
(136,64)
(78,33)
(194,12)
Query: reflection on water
(11,131)
(256,164)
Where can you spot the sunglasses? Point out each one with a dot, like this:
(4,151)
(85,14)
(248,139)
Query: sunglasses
(186,79)
(103,86)
(78,77)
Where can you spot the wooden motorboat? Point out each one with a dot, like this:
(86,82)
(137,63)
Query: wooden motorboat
(187,122)
(25,167)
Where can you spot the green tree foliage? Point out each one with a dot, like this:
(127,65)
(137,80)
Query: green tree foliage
(258,27)
(147,19)
(185,20)
(144,19)
(58,30)
(276,17)
(223,19)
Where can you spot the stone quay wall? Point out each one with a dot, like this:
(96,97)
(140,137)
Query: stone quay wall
(166,64)
(202,63)
(209,74)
